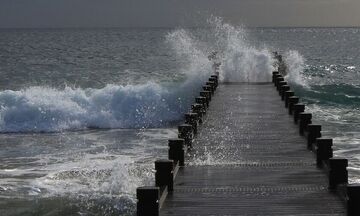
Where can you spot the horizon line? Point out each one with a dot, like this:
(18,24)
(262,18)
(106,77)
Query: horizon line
(164,27)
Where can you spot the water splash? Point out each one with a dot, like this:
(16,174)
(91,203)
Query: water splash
(295,66)
(241,61)
(45,109)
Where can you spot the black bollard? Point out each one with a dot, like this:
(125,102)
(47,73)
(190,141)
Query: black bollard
(324,150)
(148,201)
(284,89)
(176,151)
(274,73)
(198,109)
(185,132)
(216,77)
(353,194)
(305,120)
(278,80)
(212,84)
(314,131)
(206,94)
(298,108)
(203,101)
(192,119)
(288,94)
(292,101)
(281,83)
(164,175)
(212,79)
(208,88)
(338,173)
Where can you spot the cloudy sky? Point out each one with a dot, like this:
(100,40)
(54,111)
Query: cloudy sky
(164,13)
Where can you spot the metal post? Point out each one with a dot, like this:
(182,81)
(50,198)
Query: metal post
(164,175)
(324,150)
(338,173)
(147,201)
(176,151)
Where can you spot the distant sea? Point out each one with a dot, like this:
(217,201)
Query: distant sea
(85,112)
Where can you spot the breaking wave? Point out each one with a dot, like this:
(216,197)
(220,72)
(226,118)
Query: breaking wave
(46,109)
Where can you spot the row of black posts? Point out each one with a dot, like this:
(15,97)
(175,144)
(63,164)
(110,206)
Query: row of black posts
(336,168)
(150,198)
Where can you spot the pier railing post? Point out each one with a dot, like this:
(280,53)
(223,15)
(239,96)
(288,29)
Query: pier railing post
(338,173)
(278,80)
(281,84)
(305,120)
(288,94)
(274,74)
(185,132)
(212,84)
(314,131)
(213,79)
(216,77)
(292,101)
(284,89)
(203,101)
(353,193)
(164,175)
(206,94)
(208,88)
(176,151)
(276,77)
(199,110)
(148,201)
(298,108)
(192,119)
(324,150)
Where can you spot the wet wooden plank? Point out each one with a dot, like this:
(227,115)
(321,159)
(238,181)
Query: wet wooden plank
(248,159)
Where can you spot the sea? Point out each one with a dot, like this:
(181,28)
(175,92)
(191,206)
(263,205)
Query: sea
(84,113)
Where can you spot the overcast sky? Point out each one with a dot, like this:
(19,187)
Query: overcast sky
(168,13)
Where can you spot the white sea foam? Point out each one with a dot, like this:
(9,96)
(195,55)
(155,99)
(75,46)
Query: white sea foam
(45,109)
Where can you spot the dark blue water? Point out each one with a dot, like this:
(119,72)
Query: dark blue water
(90,109)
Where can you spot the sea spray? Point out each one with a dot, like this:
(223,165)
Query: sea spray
(240,60)
(45,109)
(295,68)
(147,105)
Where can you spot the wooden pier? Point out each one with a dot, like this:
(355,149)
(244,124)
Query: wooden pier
(266,159)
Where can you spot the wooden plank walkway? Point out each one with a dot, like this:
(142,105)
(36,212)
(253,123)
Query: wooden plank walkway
(258,164)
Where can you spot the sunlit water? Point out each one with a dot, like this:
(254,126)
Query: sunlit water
(84,113)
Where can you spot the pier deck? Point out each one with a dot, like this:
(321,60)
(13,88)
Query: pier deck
(258,163)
